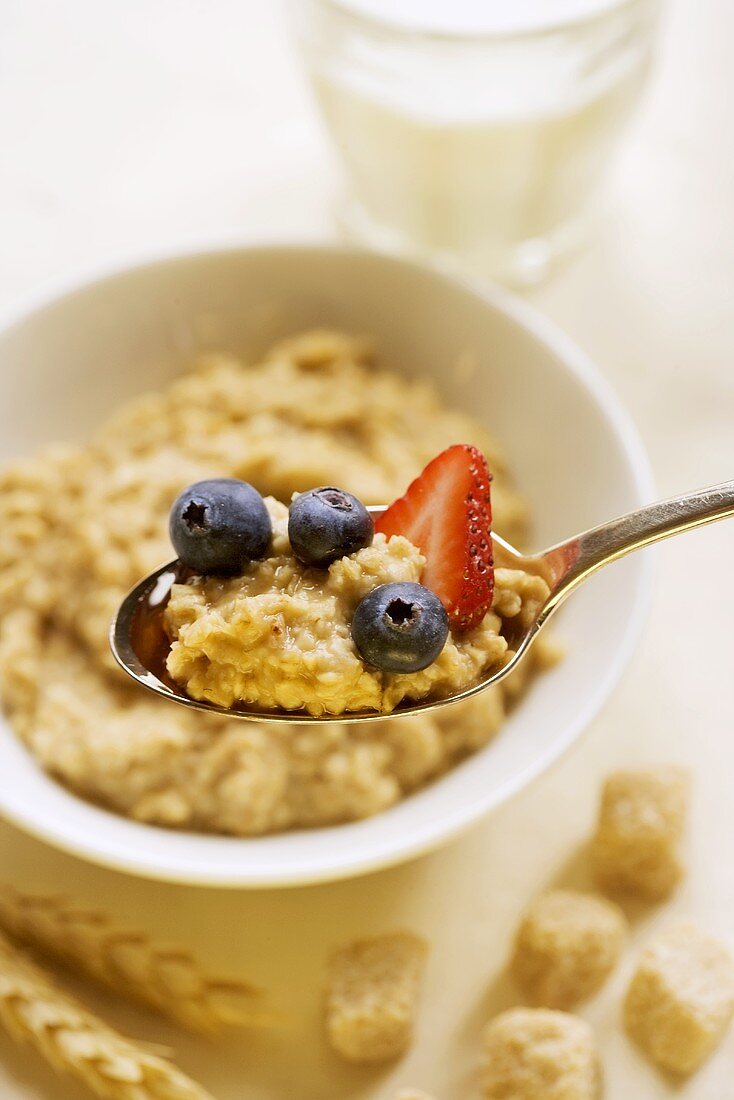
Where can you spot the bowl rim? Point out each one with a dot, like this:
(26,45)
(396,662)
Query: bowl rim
(87,845)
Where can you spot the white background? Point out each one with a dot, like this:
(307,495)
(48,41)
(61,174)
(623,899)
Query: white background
(125,124)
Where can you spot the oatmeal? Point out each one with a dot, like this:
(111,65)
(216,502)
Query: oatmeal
(82,524)
(279,635)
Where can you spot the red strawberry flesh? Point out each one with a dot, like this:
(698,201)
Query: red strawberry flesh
(447,514)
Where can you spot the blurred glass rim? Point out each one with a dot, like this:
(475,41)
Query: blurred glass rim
(491,20)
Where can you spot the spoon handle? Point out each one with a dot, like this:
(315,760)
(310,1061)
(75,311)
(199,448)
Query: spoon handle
(571,562)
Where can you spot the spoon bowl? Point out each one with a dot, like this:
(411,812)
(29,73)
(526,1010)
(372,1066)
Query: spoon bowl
(140,644)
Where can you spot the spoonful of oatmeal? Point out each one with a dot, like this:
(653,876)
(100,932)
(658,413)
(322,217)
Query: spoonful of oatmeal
(328,610)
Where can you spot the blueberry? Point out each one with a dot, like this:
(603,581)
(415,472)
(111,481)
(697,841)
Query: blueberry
(326,524)
(219,526)
(400,627)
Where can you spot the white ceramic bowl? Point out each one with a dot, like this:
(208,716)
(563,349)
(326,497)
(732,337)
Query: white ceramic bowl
(70,360)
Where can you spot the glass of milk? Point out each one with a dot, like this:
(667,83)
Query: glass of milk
(475,132)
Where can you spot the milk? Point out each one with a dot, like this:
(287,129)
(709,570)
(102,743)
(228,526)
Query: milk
(477,17)
(482,148)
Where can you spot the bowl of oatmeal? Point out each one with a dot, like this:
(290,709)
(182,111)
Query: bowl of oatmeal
(287,367)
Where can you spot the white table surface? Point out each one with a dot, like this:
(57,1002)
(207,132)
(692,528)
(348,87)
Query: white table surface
(125,125)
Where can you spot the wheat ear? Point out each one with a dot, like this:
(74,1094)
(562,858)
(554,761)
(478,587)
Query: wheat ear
(168,980)
(74,1041)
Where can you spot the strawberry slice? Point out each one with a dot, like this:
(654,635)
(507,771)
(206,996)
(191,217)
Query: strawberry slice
(447,514)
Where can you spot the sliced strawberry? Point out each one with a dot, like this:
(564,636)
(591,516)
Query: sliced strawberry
(447,514)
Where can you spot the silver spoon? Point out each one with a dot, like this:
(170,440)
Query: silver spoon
(140,644)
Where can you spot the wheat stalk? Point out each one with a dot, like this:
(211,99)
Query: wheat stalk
(168,980)
(74,1041)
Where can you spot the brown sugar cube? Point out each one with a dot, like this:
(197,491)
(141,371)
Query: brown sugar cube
(566,946)
(371,997)
(641,818)
(681,998)
(540,1054)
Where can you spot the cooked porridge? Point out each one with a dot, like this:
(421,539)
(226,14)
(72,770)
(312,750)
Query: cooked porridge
(279,635)
(82,524)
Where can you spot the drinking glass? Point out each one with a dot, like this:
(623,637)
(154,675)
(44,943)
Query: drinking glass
(475,132)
